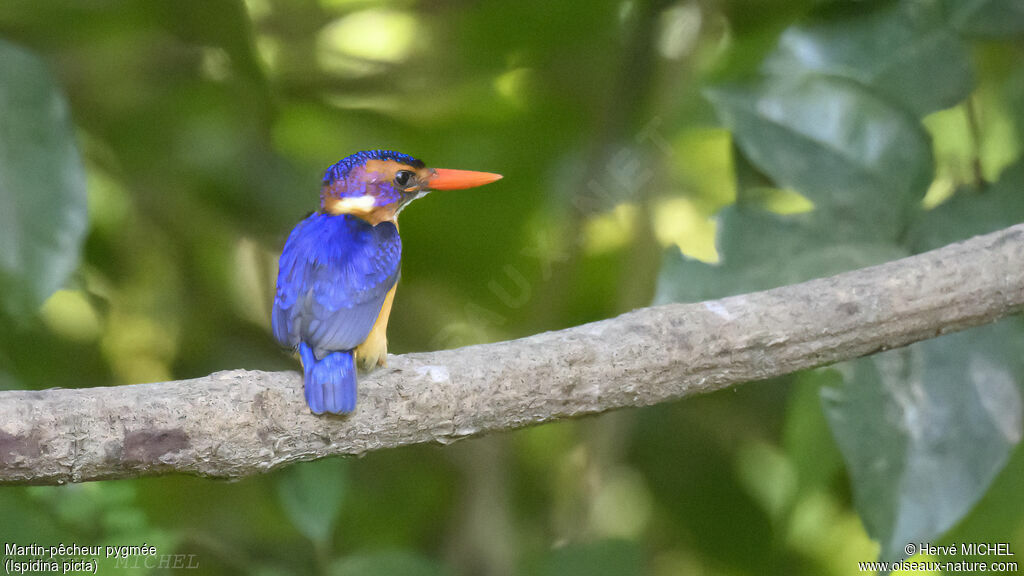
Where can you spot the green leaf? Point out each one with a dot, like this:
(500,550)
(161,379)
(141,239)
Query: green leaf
(969,213)
(762,250)
(809,246)
(805,435)
(43,213)
(312,494)
(999,511)
(991,18)
(601,558)
(925,429)
(387,564)
(863,162)
(768,476)
(904,51)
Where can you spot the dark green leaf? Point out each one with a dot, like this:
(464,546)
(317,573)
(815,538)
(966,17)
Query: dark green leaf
(762,250)
(387,564)
(925,429)
(999,510)
(970,213)
(863,162)
(987,17)
(42,185)
(806,436)
(786,249)
(749,180)
(312,494)
(904,51)
(601,558)
(683,279)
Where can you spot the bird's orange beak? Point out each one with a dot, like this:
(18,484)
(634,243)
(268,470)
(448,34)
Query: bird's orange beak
(447,179)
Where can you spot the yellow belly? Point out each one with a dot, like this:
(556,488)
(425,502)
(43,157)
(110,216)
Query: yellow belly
(373,352)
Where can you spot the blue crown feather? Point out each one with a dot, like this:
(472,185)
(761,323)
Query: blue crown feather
(342,168)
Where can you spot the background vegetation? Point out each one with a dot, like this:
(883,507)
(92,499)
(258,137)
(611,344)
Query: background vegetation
(154,156)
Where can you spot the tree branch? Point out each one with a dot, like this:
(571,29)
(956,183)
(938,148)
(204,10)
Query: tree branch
(238,423)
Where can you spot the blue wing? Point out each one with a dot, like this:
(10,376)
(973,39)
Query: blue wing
(334,274)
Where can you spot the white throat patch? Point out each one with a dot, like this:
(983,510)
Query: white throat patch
(356,204)
(419,195)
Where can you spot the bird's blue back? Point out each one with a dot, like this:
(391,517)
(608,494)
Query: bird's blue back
(334,274)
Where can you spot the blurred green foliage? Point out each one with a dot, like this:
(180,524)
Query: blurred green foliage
(42,233)
(652,150)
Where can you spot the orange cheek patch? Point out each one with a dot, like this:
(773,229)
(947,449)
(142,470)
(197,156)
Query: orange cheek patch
(382,214)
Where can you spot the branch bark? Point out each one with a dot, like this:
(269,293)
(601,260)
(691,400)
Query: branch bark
(237,423)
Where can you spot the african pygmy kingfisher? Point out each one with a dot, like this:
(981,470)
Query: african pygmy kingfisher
(339,269)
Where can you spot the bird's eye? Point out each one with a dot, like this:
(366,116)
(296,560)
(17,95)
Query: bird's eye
(403,177)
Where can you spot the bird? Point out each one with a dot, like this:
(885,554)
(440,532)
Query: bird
(340,266)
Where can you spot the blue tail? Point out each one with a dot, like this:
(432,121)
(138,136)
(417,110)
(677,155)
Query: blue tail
(330,382)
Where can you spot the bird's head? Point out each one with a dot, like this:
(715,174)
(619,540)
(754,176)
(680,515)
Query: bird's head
(375,185)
